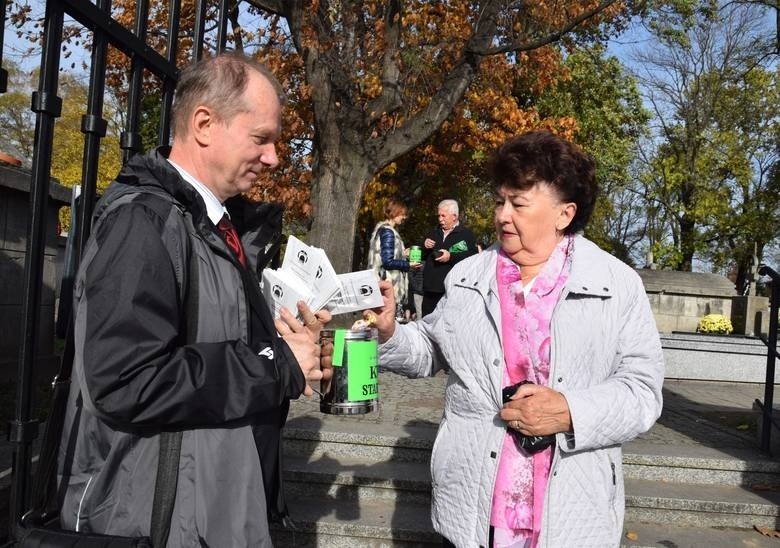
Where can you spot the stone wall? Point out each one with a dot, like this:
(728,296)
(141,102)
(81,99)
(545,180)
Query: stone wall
(679,299)
(14,219)
(697,356)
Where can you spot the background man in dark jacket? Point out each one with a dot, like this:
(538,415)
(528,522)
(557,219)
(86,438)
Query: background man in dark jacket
(172,333)
(444,247)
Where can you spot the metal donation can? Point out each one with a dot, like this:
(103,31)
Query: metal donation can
(415,254)
(354,387)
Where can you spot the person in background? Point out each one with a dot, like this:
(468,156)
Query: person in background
(172,333)
(416,289)
(546,336)
(387,255)
(443,247)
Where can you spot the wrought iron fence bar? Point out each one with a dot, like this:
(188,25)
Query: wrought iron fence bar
(3,72)
(771,357)
(169,84)
(764,339)
(199,31)
(47,107)
(88,14)
(224,6)
(94,128)
(130,141)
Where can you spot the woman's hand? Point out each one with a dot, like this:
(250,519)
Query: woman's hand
(537,411)
(384,317)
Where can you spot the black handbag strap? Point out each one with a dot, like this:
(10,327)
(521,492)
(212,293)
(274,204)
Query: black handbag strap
(170,442)
(165,487)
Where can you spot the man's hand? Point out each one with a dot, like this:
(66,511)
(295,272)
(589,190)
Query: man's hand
(537,411)
(303,340)
(428,243)
(444,257)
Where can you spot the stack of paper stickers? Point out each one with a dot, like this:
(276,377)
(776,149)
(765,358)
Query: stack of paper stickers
(307,275)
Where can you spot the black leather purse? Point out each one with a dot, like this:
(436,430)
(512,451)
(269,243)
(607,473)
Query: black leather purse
(529,444)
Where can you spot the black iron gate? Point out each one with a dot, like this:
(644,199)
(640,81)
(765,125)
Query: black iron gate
(95,16)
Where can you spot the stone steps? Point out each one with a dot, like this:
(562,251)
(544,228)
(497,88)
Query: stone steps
(353,477)
(640,535)
(333,522)
(698,505)
(699,465)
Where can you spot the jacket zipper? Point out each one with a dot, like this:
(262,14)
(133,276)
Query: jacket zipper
(556,454)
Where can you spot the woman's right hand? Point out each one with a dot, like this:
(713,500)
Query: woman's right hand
(385,315)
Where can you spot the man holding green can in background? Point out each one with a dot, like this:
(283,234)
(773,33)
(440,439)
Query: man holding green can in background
(443,247)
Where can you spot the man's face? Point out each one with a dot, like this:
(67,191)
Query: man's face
(243,147)
(447,218)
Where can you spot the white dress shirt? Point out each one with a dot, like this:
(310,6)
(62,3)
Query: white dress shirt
(214,208)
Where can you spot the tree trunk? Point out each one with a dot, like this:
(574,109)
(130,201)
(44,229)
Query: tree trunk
(687,244)
(339,182)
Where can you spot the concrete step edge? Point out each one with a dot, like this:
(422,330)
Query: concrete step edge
(345,471)
(639,453)
(720,499)
(375,519)
(645,535)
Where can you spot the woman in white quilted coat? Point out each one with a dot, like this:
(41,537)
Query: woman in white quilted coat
(546,306)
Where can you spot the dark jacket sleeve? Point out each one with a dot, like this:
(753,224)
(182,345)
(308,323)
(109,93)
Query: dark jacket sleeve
(387,252)
(434,235)
(138,369)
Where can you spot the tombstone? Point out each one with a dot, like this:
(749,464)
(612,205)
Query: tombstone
(749,312)
(14,220)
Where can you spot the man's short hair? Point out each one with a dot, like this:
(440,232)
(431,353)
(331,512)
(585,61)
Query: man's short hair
(217,82)
(451,205)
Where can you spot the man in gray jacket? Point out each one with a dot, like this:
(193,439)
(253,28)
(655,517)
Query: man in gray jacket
(172,333)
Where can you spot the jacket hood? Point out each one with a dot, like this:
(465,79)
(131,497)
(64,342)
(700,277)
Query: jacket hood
(152,172)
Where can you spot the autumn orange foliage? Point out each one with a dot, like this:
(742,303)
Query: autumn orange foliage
(378,83)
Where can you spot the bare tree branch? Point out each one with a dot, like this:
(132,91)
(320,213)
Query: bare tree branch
(549,38)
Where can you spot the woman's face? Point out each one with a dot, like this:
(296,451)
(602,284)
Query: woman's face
(530,223)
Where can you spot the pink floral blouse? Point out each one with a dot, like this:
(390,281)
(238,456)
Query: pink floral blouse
(518,495)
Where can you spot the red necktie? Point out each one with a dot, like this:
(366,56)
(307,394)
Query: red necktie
(231,238)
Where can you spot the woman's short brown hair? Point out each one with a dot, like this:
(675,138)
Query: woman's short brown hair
(393,208)
(542,157)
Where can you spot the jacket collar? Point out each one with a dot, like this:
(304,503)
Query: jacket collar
(587,277)
(164,177)
(588,274)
